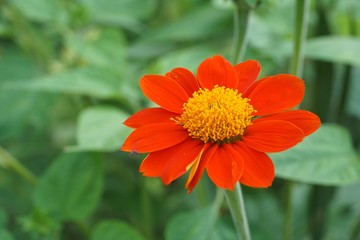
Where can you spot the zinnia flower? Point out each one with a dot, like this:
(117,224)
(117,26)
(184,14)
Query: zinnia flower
(222,120)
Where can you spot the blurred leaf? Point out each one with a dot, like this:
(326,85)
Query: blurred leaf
(5,235)
(112,230)
(41,10)
(126,13)
(71,187)
(3,218)
(344,212)
(326,157)
(100,129)
(334,49)
(353,98)
(185,58)
(91,81)
(200,23)
(102,47)
(196,225)
(19,106)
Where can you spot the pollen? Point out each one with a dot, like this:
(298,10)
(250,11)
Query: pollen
(219,115)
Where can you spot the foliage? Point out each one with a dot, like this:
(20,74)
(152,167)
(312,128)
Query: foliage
(69,74)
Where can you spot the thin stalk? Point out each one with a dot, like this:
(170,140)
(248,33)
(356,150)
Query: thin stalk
(214,212)
(302,15)
(8,161)
(241,33)
(237,208)
(287,228)
(297,66)
(201,193)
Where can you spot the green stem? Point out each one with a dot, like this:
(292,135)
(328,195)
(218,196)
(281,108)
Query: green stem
(8,161)
(237,208)
(297,65)
(241,32)
(302,14)
(287,234)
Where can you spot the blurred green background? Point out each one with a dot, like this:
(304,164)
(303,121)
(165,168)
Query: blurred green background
(69,74)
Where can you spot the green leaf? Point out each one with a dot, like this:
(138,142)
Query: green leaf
(5,235)
(113,229)
(41,10)
(100,129)
(326,157)
(334,49)
(71,188)
(91,81)
(126,13)
(199,224)
(100,47)
(3,218)
(200,23)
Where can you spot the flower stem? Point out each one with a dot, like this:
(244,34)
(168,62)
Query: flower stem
(287,234)
(8,161)
(297,65)
(242,15)
(237,208)
(301,13)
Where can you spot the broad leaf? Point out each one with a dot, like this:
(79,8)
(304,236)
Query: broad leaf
(5,235)
(100,47)
(334,49)
(96,82)
(100,129)
(199,224)
(326,157)
(112,229)
(126,13)
(71,188)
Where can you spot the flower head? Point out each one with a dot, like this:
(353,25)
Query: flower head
(222,120)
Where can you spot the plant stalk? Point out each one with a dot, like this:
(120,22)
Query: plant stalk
(8,161)
(237,208)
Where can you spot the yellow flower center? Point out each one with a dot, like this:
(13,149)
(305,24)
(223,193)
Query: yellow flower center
(220,115)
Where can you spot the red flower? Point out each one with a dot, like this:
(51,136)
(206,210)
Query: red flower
(221,121)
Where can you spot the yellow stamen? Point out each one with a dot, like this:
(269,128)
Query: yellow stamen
(219,115)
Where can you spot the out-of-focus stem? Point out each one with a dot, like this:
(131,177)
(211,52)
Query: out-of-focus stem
(8,161)
(241,32)
(302,15)
(237,208)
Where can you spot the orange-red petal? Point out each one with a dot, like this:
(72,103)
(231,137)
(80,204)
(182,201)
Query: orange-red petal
(217,71)
(149,116)
(185,78)
(154,137)
(272,135)
(165,92)
(275,94)
(247,72)
(193,179)
(178,163)
(259,170)
(307,121)
(225,167)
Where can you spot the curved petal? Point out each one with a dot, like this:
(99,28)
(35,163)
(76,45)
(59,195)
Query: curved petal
(153,165)
(180,162)
(259,170)
(154,137)
(149,116)
(217,71)
(185,78)
(225,167)
(272,135)
(198,169)
(165,92)
(275,94)
(307,121)
(247,72)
